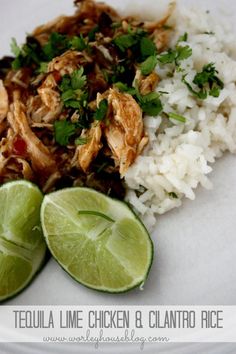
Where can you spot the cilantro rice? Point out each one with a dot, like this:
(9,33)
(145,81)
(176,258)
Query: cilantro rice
(180,155)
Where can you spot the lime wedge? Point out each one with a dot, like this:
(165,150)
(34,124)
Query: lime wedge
(22,247)
(99,241)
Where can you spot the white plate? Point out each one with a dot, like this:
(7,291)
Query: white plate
(195,246)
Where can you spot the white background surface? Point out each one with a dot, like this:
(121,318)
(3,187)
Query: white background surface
(195,246)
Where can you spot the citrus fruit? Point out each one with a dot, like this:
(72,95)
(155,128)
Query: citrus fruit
(99,241)
(22,246)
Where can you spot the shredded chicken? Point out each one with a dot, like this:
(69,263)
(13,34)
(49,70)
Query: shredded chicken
(3,102)
(66,63)
(125,133)
(149,83)
(39,154)
(48,106)
(50,98)
(88,151)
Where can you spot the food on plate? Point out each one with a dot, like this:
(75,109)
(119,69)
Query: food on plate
(22,246)
(99,241)
(136,109)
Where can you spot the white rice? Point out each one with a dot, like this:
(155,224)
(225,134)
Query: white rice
(180,157)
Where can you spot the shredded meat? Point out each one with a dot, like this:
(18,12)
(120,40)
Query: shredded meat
(125,132)
(40,156)
(3,102)
(149,83)
(88,151)
(47,107)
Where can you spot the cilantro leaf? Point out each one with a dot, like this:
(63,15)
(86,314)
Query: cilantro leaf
(101,111)
(92,33)
(81,141)
(207,82)
(78,43)
(72,89)
(63,131)
(173,195)
(183,53)
(29,54)
(150,103)
(125,41)
(125,88)
(147,47)
(57,44)
(78,80)
(149,65)
(175,55)
(15,49)
(183,38)
(177,117)
(43,67)
(167,57)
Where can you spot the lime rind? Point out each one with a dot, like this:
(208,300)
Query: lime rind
(96,252)
(22,246)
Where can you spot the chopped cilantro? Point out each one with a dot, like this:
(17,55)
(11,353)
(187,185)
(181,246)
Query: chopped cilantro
(57,44)
(167,57)
(92,33)
(72,89)
(175,55)
(63,131)
(81,141)
(78,80)
(125,41)
(147,47)
(78,43)
(173,195)
(183,38)
(207,82)
(150,103)
(177,117)
(149,65)
(15,49)
(115,25)
(27,55)
(101,111)
(210,33)
(131,39)
(125,88)
(43,67)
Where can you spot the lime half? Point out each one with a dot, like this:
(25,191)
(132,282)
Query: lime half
(22,247)
(99,241)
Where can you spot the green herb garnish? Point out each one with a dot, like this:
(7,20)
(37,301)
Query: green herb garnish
(73,93)
(63,131)
(92,33)
(175,55)
(207,81)
(125,88)
(125,41)
(15,49)
(173,195)
(101,111)
(81,141)
(150,103)
(183,38)
(78,43)
(57,44)
(177,117)
(149,65)
(147,47)
(29,54)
